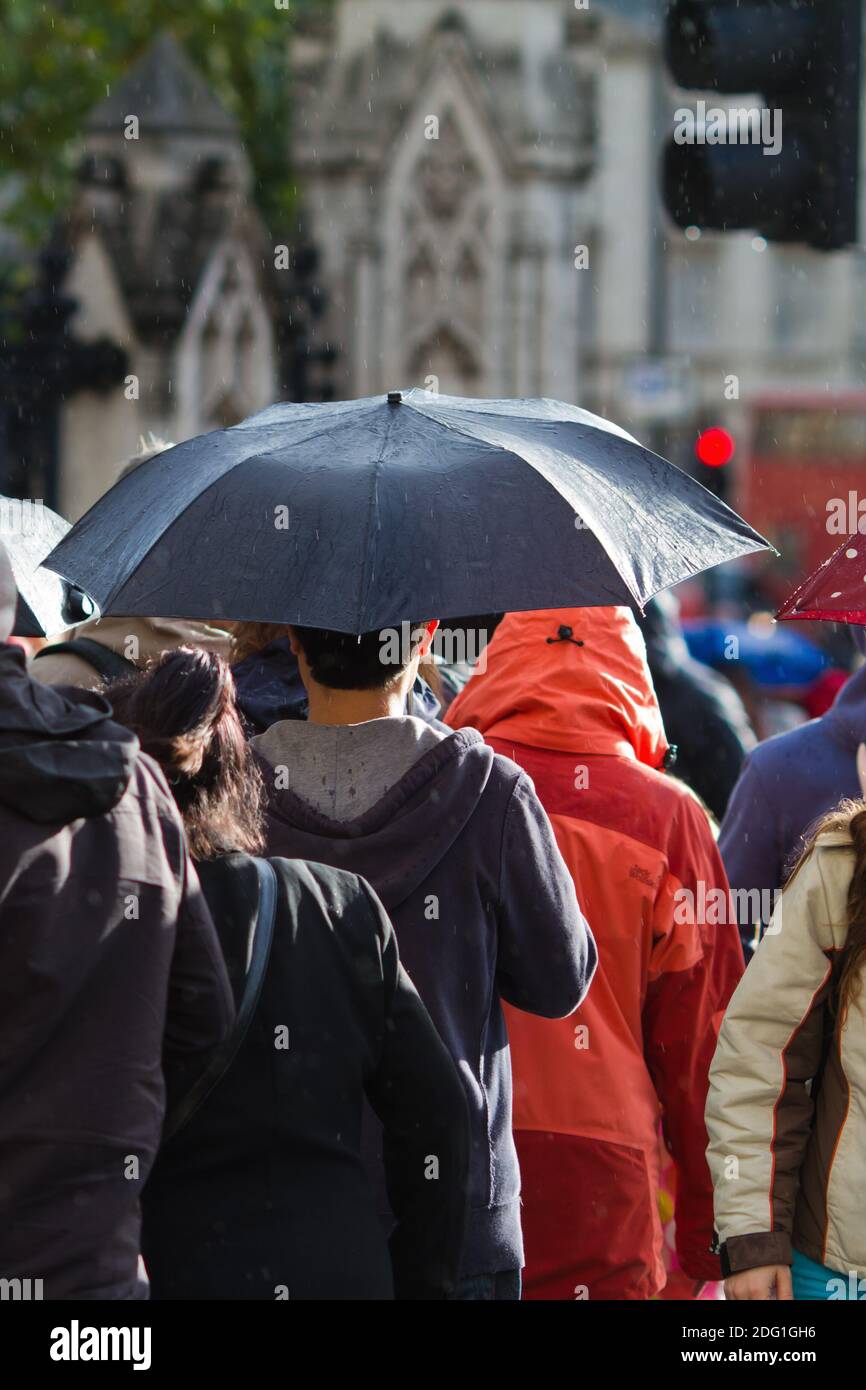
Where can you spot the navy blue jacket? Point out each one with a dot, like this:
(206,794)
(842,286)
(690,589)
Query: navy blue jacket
(786,784)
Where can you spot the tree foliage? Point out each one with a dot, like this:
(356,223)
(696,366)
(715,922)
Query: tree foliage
(59,60)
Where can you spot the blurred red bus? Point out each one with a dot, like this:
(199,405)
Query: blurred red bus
(801,479)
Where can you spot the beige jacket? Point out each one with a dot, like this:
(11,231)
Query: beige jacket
(138,639)
(786,1112)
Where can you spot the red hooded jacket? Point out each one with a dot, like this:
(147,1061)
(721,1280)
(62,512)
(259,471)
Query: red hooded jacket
(579,714)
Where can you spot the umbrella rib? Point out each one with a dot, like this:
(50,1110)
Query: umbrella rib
(369,566)
(266,453)
(476,439)
(460,428)
(467,433)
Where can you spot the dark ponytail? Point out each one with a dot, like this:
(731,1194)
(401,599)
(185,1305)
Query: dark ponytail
(184,713)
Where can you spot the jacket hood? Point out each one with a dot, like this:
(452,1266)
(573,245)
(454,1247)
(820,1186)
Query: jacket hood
(846,717)
(666,648)
(60,759)
(269,686)
(397,843)
(153,635)
(590,694)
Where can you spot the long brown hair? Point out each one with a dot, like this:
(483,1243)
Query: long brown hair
(850,817)
(183,710)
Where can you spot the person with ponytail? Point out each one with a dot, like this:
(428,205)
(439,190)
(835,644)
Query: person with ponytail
(262,1194)
(786,1112)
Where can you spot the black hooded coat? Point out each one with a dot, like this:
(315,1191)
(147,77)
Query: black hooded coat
(108,955)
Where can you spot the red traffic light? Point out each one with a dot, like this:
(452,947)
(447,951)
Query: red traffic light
(715,447)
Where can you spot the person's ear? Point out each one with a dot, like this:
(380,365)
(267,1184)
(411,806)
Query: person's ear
(427,640)
(294,644)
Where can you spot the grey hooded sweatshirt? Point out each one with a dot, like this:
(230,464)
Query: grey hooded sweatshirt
(458,847)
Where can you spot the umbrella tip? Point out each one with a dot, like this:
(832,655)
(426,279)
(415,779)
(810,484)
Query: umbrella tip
(395,397)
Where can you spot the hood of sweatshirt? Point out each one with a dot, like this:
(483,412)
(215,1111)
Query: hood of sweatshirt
(399,841)
(60,758)
(588,692)
(846,717)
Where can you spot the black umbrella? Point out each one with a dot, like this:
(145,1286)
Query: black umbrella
(356,515)
(29,530)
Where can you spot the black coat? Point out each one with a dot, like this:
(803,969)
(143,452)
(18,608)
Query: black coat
(263,1195)
(703,715)
(108,958)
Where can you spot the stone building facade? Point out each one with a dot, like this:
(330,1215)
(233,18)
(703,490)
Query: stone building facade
(482,178)
(443,152)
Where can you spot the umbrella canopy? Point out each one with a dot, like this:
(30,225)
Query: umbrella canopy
(29,530)
(836,591)
(773,658)
(355,515)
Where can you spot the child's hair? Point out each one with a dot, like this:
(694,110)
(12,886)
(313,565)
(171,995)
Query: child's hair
(849,816)
(183,710)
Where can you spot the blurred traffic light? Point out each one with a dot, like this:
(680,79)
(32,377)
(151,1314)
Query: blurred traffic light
(789,167)
(715,447)
(714,450)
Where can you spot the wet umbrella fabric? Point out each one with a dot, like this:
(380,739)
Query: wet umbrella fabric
(30,531)
(836,591)
(357,515)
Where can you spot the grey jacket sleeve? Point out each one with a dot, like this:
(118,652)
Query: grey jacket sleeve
(547,954)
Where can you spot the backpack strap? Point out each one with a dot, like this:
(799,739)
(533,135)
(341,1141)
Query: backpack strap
(106,663)
(258,954)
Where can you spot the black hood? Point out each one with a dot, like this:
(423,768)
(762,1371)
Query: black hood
(269,686)
(62,756)
(666,648)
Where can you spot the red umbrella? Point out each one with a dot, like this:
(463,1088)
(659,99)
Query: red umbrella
(836,592)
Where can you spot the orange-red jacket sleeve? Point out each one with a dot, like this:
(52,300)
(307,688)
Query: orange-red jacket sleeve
(695,962)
